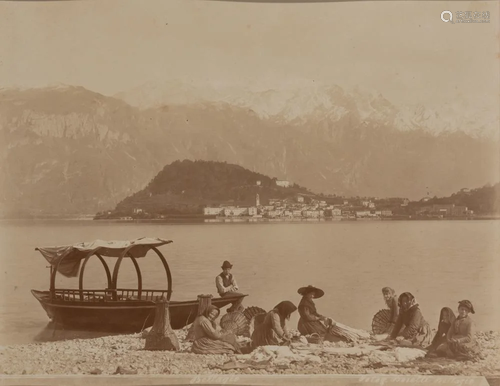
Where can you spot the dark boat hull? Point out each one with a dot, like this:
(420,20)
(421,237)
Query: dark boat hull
(119,316)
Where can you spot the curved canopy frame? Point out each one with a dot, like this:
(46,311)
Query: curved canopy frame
(59,256)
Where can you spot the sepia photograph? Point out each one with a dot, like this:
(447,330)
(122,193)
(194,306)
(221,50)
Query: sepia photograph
(249,192)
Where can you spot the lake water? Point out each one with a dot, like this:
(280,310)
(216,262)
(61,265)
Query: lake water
(440,262)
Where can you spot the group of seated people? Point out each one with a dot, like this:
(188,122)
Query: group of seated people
(269,328)
(406,326)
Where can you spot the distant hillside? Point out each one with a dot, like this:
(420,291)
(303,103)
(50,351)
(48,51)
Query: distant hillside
(70,151)
(485,200)
(187,186)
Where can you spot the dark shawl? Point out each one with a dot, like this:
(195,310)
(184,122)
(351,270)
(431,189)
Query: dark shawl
(285,308)
(446,320)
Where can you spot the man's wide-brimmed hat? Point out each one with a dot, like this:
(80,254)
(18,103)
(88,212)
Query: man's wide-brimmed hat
(317,292)
(226,264)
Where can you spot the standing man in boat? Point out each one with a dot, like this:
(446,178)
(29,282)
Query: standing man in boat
(227,286)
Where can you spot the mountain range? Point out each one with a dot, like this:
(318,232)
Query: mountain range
(69,150)
(299,103)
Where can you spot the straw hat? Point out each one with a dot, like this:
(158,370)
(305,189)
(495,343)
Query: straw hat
(317,292)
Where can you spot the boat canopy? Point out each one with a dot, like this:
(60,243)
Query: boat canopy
(66,259)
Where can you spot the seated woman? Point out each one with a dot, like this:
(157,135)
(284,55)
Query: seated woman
(310,321)
(446,319)
(272,330)
(417,331)
(460,340)
(391,299)
(207,340)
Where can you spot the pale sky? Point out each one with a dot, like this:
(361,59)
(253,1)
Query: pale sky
(402,49)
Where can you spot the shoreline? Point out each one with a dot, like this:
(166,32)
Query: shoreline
(201,220)
(125,355)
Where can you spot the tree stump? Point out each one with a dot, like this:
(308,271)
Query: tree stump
(161,336)
(203,302)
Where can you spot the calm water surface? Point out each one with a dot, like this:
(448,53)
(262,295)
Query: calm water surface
(440,262)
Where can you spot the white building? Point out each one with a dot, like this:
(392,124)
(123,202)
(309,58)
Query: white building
(337,212)
(283,183)
(212,211)
(234,212)
(384,213)
(314,213)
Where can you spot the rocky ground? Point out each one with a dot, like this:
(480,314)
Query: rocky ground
(125,354)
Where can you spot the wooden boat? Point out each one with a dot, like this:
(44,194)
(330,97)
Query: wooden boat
(111,309)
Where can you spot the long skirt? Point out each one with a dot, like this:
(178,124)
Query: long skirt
(316,327)
(470,351)
(436,342)
(424,336)
(206,345)
(264,336)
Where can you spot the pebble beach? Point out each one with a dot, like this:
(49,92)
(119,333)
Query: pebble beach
(125,354)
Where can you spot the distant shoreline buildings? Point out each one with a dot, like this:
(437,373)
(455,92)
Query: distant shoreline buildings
(303,206)
(300,207)
(297,208)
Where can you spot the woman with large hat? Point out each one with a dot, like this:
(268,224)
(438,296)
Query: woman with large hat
(311,322)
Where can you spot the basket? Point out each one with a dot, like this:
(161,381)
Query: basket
(381,321)
(315,338)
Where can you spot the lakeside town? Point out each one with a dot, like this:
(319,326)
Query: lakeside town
(311,207)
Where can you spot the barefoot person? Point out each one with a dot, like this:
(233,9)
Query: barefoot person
(272,329)
(417,331)
(208,340)
(460,341)
(310,321)
(227,286)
